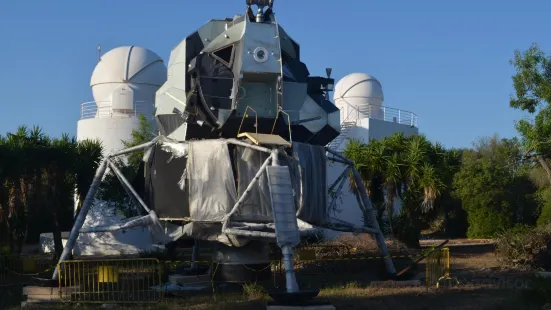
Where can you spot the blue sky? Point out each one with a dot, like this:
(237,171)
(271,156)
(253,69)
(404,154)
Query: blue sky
(447,61)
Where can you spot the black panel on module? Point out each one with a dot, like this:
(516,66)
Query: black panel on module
(162,191)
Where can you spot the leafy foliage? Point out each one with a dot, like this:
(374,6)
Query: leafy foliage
(532,83)
(143,135)
(494,187)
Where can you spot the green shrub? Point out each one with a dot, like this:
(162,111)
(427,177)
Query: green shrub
(525,247)
(544,196)
(406,231)
(545,216)
(487,222)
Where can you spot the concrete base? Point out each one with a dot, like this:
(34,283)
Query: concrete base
(316,304)
(179,279)
(543,274)
(313,307)
(396,283)
(40,294)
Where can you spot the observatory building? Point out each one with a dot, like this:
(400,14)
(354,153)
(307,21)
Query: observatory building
(124,84)
(360,97)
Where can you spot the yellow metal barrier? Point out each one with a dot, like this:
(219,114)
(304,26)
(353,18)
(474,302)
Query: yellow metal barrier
(113,281)
(438,266)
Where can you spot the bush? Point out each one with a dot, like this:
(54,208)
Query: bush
(525,247)
(544,196)
(406,231)
(489,221)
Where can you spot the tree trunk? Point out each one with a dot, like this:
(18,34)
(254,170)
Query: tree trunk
(11,238)
(545,166)
(12,217)
(58,242)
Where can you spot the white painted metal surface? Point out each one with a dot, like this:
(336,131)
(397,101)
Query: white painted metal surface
(358,92)
(131,66)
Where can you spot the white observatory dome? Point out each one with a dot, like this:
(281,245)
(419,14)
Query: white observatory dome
(131,66)
(124,84)
(359,92)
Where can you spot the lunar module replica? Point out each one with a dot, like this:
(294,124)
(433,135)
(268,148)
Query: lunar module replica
(241,155)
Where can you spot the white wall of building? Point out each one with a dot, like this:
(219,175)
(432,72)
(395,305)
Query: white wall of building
(110,131)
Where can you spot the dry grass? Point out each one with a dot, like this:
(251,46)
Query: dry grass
(366,244)
(354,297)
(474,262)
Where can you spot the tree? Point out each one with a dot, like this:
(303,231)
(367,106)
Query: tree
(143,135)
(495,188)
(39,177)
(532,83)
(89,155)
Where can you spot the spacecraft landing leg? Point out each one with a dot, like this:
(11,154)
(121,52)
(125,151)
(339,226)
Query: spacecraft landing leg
(287,233)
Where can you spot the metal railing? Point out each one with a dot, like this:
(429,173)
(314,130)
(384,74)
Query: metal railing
(437,266)
(15,270)
(114,281)
(93,109)
(383,113)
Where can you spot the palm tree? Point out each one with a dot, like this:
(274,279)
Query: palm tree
(407,168)
(88,158)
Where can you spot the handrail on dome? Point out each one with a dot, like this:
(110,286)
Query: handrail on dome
(93,109)
(384,113)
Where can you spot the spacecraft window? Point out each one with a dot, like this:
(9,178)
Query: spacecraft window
(225,55)
(260,54)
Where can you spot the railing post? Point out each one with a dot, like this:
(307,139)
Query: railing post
(399,117)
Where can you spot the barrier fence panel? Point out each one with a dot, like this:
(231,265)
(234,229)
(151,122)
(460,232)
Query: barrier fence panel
(18,270)
(111,281)
(437,266)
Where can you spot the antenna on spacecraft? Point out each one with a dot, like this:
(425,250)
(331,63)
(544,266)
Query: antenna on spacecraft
(329,87)
(99,52)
